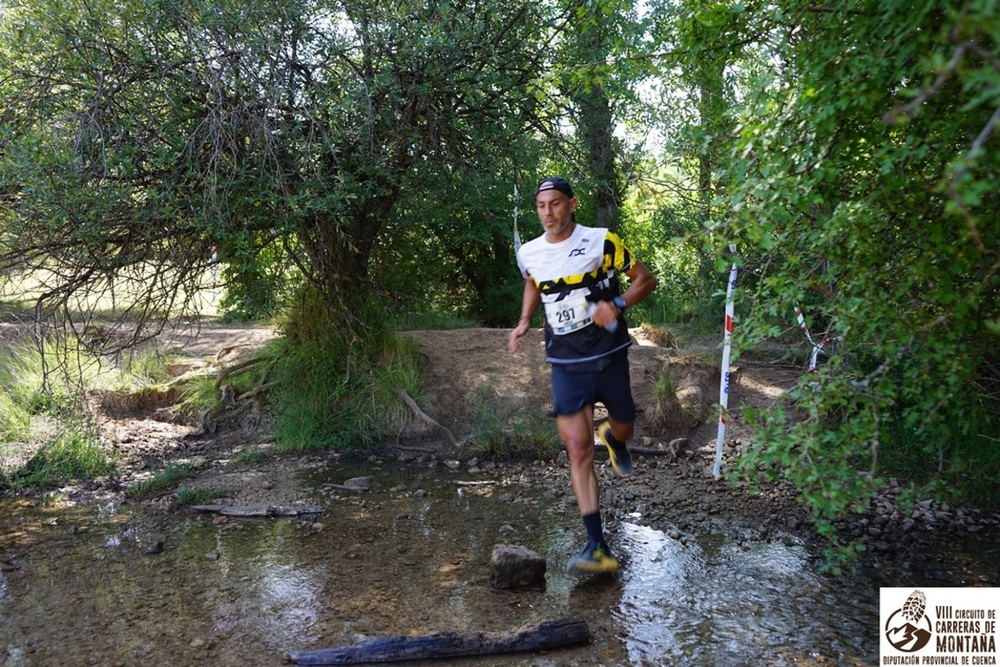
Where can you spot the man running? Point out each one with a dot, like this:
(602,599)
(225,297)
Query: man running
(573,271)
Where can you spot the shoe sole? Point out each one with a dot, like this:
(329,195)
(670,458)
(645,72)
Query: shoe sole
(620,463)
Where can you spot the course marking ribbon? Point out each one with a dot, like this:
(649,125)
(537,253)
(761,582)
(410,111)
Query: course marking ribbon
(817,347)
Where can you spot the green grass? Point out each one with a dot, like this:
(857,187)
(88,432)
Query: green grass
(188,496)
(197,395)
(666,409)
(251,456)
(41,405)
(161,482)
(321,405)
(16,310)
(503,430)
(74,453)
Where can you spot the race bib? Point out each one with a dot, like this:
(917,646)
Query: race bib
(568,315)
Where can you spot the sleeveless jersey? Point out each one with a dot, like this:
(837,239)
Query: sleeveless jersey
(571,275)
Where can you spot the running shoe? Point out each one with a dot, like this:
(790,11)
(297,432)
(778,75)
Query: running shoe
(621,459)
(593,559)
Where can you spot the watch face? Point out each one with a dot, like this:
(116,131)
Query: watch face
(620,302)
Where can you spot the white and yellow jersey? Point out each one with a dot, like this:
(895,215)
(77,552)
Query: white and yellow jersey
(570,275)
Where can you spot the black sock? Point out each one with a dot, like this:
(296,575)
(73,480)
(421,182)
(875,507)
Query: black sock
(595,531)
(614,440)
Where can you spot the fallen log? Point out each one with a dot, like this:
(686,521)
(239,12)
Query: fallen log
(548,635)
(247,511)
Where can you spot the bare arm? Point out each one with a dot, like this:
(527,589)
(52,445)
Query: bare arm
(641,284)
(529,302)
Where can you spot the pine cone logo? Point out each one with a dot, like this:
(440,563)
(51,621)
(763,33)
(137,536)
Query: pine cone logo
(908,628)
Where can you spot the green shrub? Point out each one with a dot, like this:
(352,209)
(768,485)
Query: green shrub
(503,430)
(337,379)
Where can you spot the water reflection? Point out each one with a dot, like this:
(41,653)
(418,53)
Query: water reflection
(714,601)
(412,557)
(261,587)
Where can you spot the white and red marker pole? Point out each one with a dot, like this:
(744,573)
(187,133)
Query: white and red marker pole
(726,353)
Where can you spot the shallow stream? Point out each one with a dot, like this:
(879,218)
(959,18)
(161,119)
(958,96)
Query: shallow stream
(118,584)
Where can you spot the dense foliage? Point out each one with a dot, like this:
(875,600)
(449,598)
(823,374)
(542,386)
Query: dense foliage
(861,186)
(138,135)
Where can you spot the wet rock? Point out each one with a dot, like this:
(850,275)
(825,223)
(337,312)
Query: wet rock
(154,548)
(516,566)
(359,483)
(353,485)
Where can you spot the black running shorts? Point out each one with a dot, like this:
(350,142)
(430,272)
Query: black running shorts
(575,387)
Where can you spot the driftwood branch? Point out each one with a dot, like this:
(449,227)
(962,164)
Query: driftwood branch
(419,450)
(420,413)
(262,387)
(257,510)
(548,635)
(236,370)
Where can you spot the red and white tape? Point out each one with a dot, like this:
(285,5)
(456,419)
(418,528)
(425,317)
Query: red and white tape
(817,347)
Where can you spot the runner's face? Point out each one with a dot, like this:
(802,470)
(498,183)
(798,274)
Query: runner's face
(555,211)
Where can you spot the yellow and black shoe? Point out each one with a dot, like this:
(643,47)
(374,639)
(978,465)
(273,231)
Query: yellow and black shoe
(593,559)
(621,459)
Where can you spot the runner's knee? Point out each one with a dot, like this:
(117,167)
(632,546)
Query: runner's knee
(580,451)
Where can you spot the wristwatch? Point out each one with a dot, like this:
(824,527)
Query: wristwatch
(620,302)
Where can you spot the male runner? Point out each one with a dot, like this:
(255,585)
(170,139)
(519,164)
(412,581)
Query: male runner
(573,271)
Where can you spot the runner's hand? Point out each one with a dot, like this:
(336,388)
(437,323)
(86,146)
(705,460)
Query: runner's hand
(514,337)
(605,314)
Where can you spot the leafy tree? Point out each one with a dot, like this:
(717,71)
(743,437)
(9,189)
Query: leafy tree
(140,134)
(861,173)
